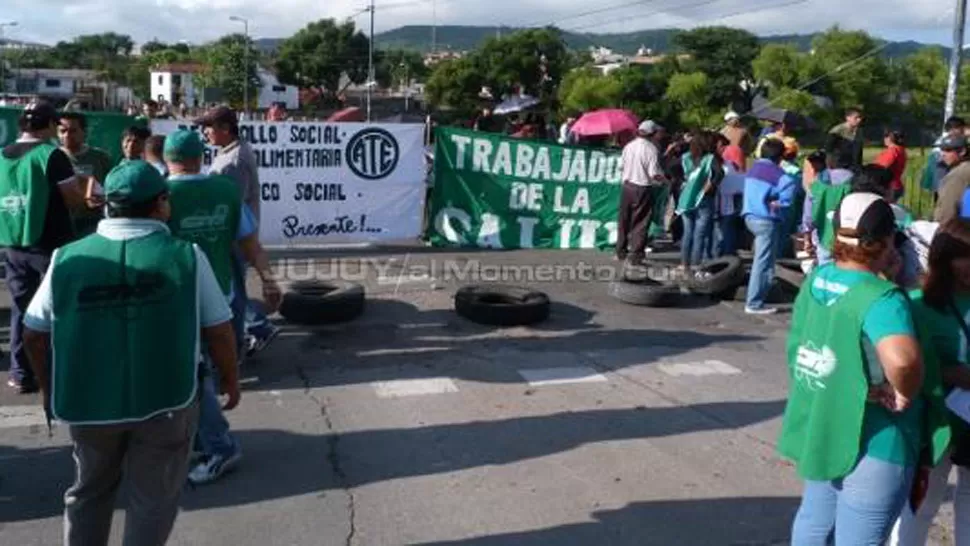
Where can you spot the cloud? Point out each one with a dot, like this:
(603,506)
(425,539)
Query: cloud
(202,20)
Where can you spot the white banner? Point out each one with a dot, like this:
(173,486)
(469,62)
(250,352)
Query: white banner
(329,183)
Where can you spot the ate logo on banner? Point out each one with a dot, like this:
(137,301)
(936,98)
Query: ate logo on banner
(373,153)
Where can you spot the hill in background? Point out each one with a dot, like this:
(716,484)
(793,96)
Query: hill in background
(464,38)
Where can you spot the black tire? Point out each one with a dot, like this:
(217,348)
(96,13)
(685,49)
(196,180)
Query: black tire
(642,290)
(723,275)
(501,305)
(316,302)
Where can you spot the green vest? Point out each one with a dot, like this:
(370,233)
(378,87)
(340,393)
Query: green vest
(822,428)
(24,197)
(825,201)
(125,331)
(207,212)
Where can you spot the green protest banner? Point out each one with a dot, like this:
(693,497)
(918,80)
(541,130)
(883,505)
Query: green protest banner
(492,191)
(104,129)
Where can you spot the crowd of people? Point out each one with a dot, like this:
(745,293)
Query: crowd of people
(879,334)
(130,315)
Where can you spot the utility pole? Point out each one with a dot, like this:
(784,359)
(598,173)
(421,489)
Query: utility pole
(245,23)
(3,60)
(956,58)
(434,26)
(370,62)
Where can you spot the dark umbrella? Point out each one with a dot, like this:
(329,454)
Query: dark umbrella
(765,112)
(515,104)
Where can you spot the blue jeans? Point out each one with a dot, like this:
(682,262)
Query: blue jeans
(248,316)
(765,233)
(695,246)
(727,235)
(860,508)
(213,436)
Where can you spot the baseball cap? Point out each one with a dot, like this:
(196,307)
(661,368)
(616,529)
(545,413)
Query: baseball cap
(133,182)
(649,127)
(731,115)
(183,144)
(953,142)
(218,115)
(40,113)
(864,217)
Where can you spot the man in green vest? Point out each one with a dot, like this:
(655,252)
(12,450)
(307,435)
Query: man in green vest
(38,189)
(88,161)
(124,310)
(208,210)
(863,411)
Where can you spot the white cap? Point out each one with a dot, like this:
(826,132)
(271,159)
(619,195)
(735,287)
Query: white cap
(731,115)
(649,127)
(864,215)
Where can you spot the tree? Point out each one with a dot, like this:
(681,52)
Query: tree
(779,65)
(455,84)
(691,93)
(588,89)
(395,67)
(318,55)
(224,68)
(529,61)
(725,55)
(925,76)
(856,74)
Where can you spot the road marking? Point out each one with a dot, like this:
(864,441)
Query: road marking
(399,388)
(21,416)
(560,376)
(404,279)
(402,351)
(707,367)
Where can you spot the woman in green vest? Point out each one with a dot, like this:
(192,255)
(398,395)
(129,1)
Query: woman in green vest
(944,307)
(859,411)
(695,205)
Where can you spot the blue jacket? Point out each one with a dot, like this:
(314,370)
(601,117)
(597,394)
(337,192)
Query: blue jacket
(766,182)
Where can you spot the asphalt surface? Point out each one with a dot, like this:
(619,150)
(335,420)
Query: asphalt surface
(608,424)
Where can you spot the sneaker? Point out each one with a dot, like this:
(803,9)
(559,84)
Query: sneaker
(260,343)
(648,250)
(25,386)
(760,311)
(212,467)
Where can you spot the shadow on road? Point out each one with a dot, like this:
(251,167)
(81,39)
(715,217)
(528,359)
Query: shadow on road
(396,339)
(762,521)
(281,464)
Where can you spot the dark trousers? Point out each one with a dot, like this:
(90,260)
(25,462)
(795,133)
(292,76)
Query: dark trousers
(636,207)
(24,271)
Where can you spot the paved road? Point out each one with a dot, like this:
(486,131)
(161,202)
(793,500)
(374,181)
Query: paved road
(607,425)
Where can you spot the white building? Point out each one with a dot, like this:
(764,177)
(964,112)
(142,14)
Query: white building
(85,87)
(174,84)
(273,91)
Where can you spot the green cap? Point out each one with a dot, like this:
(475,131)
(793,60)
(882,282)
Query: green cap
(182,145)
(133,182)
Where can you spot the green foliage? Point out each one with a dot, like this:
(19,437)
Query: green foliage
(857,76)
(691,93)
(532,62)
(588,89)
(780,66)
(225,68)
(725,55)
(455,84)
(320,53)
(396,67)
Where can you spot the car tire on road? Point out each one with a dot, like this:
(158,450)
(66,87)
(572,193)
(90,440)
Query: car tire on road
(501,305)
(317,302)
(720,276)
(640,289)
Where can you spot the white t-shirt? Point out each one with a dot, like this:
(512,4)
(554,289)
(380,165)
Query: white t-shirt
(641,163)
(731,186)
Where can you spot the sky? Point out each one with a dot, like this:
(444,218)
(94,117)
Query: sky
(198,21)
